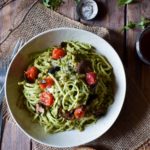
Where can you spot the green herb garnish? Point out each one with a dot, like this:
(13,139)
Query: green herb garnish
(53,4)
(130,25)
(124,2)
(77,1)
(144,22)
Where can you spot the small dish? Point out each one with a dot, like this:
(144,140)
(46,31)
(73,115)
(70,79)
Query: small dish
(142,46)
(87,9)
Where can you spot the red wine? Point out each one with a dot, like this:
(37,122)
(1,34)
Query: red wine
(145,45)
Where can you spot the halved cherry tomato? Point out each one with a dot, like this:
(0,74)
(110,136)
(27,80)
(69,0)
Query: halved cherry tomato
(79,112)
(91,78)
(48,82)
(58,53)
(46,99)
(31,73)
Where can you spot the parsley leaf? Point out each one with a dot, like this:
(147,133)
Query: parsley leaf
(53,4)
(124,2)
(144,22)
(77,1)
(130,25)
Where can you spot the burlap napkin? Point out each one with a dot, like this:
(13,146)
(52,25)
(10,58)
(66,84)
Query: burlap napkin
(132,127)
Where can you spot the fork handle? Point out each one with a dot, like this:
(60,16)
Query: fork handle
(1,117)
(2,95)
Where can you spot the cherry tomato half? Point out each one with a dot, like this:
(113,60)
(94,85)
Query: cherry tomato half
(58,53)
(31,73)
(46,99)
(48,82)
(79,112)
(91,78)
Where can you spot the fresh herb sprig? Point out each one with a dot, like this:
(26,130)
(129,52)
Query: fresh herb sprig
(124,2)
(144,22)
(55,4)
(130,25)
(77,1)
(52,4)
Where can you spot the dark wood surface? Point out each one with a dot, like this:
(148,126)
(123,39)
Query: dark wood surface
(110,16)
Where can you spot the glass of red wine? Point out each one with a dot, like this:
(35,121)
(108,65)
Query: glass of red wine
(143,46)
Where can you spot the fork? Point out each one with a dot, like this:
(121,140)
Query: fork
(3,69)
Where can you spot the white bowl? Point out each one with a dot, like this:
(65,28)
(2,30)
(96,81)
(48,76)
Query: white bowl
(20,63)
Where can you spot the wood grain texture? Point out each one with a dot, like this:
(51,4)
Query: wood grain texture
(108,12)
(68,9)
(14,139)
(136,69)
(5,19)
(110,16)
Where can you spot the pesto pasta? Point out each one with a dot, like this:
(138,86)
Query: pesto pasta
(68,86)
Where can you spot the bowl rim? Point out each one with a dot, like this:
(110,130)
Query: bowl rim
(138,46)
(73,145)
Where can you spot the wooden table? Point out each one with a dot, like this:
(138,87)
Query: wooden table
(110,16)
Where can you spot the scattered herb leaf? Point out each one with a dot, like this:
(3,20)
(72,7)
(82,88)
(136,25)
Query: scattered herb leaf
(130,25)
(144,22)
(77,1)
(53,4)
(124,2)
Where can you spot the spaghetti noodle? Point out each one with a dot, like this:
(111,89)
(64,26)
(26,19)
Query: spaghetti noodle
(79,83)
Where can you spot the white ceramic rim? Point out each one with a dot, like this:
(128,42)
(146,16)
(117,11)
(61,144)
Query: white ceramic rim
(42,33)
